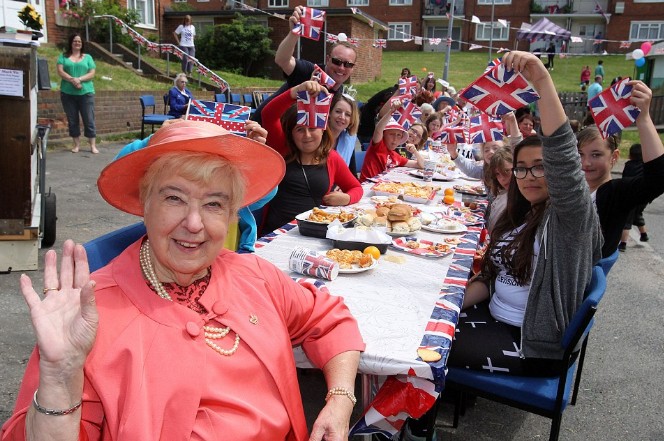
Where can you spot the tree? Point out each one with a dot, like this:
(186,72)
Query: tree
(235,47)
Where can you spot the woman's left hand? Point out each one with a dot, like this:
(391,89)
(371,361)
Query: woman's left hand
(411,148)
(256,132)
(333,421)
(336,198)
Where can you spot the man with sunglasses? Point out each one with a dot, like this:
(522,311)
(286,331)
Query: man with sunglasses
(339,63)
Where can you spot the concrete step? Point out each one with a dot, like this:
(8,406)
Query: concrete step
(129,63)
(119,56)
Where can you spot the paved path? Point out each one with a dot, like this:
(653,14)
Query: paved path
(621,392)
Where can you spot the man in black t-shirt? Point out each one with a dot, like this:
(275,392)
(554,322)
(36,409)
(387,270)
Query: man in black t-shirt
(339,63)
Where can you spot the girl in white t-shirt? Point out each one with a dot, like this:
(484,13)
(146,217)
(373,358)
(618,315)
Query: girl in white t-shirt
(185,35)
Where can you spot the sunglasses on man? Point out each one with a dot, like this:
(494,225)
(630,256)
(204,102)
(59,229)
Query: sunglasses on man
(338,62)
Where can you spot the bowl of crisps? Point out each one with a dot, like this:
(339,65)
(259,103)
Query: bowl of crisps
(314,222)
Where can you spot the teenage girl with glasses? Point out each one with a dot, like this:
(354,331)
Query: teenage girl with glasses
(542,249)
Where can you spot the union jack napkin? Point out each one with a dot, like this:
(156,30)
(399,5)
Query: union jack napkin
(612,109)
(498,91)
(484,128)
(408,85)
(313,111)
(407,114)
(229,116)
(311,23)
(322,78)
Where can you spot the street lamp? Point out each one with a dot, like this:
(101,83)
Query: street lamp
(449,41)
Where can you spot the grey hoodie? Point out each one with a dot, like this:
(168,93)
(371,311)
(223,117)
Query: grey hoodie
(571,243)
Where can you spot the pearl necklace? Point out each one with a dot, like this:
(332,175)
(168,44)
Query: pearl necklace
(211,333)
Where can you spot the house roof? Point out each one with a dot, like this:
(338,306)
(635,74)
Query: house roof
(544,29)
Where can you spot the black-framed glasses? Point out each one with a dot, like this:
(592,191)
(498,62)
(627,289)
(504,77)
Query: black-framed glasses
(338,62)
(521,172)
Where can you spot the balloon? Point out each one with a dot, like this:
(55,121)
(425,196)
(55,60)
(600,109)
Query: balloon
(637,54)
(645,47)
(640,62)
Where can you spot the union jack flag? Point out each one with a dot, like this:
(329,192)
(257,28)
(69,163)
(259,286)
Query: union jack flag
(153,46)
(380,42)
(323,78)
(407,114)
(612,109)
(625,44)
(168,48)
(313,111)
(229,116)
(202,69)
(453,135)
(435,41)
(218,81)
(408,85)
(484,128)
(118,21)
(354,41)
(475,46)
(331,38)
(493,63)
(178,52)
(311,23)
(499,91)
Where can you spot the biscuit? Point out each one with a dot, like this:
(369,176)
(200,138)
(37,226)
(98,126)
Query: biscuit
(428,355)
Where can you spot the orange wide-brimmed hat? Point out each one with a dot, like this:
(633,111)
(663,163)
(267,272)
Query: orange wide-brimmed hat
(262,167)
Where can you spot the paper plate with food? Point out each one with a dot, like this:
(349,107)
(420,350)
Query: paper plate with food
(314,222)
(352,261)
(464,217)
(398,220)
(437,176)
(475,190)
(446,226)
(424,248)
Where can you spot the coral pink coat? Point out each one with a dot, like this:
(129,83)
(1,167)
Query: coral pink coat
(140,378)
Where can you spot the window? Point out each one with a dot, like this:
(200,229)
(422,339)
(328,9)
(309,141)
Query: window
(401,3)
(277,3)
(398,31)
(357,3)
(495,2)
(202,25)
(145,9)
(318,3)
(179,1)
(483,31)
(642,31)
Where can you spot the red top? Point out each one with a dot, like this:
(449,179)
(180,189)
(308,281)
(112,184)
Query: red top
(337,168)
(378,159)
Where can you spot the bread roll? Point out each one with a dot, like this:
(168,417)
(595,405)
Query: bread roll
(400,212)
(380,221)
(400,227)
(367,219)
(382,211)
(414,224)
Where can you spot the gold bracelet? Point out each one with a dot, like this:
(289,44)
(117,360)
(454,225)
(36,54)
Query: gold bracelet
(341,391)
(53,412)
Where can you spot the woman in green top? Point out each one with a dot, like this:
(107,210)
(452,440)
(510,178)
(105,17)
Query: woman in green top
(77,69)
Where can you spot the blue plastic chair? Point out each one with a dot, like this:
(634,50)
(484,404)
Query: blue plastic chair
(248,99)
(236,98)
(153,118)
(545,396)
(359,159)
(607,263)
(104,248)
(220,98)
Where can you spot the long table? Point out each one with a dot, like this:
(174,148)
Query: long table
(400,307)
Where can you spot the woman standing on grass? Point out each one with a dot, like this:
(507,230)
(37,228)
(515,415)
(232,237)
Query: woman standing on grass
(185,35)
(77,93)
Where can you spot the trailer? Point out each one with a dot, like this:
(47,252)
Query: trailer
(27,205)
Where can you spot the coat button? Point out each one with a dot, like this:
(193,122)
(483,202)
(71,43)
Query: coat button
(193,329)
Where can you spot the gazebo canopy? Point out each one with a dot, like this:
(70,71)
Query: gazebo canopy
(542,30)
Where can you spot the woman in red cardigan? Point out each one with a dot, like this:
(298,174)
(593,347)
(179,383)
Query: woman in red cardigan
(315,173)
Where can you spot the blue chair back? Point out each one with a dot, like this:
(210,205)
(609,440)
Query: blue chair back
(220,98)
(147,101)
(236,98)
(104,248)
(546,396)
(359,159)
(248,99)
(607,263)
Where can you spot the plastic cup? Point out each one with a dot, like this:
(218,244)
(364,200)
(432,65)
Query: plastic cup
(429,170)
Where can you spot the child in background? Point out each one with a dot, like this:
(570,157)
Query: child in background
(381,154)
(633,168)
(499,175)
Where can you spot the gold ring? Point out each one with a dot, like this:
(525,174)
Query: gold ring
(49,289)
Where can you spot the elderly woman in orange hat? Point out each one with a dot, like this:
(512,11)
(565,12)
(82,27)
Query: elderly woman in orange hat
(177,338)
